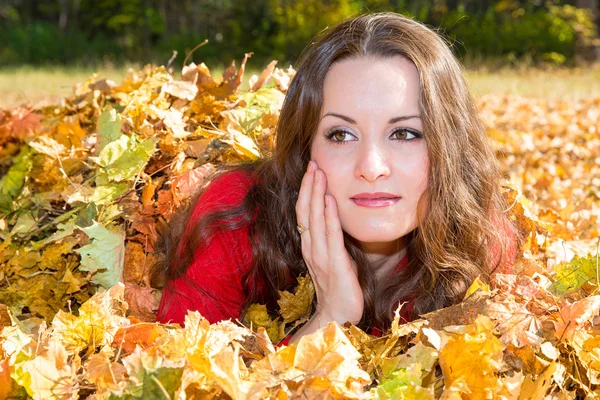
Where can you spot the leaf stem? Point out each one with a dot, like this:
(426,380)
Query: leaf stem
(56,220)
(161,387)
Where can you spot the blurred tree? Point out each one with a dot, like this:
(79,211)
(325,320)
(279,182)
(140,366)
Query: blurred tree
(149,30)
(298,22)
(590,51)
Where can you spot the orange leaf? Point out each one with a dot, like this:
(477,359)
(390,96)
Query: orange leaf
(5,380)
(143,335)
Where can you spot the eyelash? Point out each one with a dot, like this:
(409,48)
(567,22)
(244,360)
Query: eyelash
(332,133)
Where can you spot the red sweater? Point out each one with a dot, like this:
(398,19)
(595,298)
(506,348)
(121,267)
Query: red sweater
(219,267)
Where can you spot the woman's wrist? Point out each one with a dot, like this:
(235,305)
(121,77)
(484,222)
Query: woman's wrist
(317,321)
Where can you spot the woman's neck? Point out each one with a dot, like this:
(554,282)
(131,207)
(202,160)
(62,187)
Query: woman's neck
(384,257)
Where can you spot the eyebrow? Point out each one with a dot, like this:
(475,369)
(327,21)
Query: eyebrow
(350,120)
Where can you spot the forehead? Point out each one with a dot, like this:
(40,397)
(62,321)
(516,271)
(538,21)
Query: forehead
(372,84)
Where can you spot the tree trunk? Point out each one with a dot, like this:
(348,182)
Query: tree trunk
(147,29)
(75,15)
(64,14)
(589,51)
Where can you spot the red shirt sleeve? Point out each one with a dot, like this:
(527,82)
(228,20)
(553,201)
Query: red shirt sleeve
(285,341)
(216,268)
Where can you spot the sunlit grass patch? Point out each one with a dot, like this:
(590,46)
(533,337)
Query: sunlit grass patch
(40,86)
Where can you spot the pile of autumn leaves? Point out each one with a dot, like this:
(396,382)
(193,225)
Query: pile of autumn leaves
(86,185)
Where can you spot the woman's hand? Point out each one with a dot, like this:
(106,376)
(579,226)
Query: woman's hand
(333,272)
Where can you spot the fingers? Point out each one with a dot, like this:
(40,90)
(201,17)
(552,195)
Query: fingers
(335,236)
(325,238)
(304,197)
(303,210)
(318,238)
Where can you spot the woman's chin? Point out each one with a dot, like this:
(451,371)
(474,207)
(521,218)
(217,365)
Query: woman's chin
(375,236)
(376,239)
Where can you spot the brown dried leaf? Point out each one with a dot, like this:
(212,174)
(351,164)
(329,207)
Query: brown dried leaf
(143,301)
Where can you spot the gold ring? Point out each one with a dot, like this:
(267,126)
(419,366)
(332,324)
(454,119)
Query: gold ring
(302,228)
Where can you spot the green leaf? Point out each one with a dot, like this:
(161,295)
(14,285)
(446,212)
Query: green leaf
(404,383)
(158,385)
(25,224)
(270,99)
(133,161)
(160,381)
(104,256)
(245,118)
(125,157)
(12,183)
(62,230)
(87,216)
(105,194)
(420,354)
(572,275)
(402,376)
(109,128)
(257,316)
(112,151)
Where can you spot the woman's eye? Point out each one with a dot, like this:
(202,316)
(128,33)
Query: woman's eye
(406,134)
(337,135)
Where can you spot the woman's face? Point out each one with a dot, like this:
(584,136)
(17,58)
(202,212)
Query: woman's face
(380,148)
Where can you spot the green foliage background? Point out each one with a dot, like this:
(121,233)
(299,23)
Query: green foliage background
(90,32)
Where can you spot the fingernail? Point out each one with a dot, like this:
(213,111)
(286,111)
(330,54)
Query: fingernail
(310,166)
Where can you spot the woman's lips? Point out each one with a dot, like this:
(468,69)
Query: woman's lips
(381,202)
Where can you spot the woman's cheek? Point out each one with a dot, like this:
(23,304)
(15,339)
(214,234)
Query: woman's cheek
(332,185)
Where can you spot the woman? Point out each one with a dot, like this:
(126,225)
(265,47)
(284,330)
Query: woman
(400,201)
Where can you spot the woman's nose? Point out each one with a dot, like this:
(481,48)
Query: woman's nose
(372,163)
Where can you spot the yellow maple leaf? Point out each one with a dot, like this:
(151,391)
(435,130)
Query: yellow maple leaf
(105,374)
(476,285)
(325,361)
(537,389)
(297,305)
(49,374)
(470,359)
(69,132)
(574,316)
(99,320)
(257,316)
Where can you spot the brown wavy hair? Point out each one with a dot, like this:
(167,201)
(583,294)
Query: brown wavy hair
(459,217)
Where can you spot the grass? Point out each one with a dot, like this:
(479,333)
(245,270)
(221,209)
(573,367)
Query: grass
(36,86)
(41,86)
(552,84)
